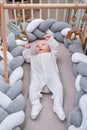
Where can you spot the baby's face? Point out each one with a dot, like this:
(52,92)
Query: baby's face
(42,46)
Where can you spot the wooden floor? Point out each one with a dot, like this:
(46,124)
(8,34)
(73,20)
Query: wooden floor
(47,120)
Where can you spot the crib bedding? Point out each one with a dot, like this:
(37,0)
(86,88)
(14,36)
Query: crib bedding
(47,119)
(72,66)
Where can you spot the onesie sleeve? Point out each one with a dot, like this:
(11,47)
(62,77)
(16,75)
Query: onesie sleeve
(27,55)
(54,46)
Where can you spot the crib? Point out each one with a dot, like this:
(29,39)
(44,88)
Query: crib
(74,108)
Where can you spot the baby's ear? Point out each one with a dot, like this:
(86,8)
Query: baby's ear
(50,49)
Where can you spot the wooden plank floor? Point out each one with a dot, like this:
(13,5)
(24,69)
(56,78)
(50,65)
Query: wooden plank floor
(47,120)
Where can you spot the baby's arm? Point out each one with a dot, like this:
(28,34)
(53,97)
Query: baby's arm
(26,53)
(28,46)
(47,37)
(53,44)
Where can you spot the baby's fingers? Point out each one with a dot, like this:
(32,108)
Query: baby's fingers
(47,36)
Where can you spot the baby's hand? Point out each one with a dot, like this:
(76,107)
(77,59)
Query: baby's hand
(48,36)
(28,46)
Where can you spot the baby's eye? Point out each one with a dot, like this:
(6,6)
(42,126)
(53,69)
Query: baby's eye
(43,44)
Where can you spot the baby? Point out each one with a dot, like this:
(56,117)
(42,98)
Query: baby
(44,72)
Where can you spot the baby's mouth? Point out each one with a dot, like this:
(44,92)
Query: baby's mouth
(40,49)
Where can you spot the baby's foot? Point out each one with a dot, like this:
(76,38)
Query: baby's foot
(36,110)
(60,113)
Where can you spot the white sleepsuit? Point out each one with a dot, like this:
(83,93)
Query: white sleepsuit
(44,72)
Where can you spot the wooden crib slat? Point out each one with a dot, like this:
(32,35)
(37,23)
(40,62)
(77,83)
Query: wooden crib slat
(4,43)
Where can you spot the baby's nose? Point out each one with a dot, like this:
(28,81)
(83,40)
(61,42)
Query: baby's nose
(40,46)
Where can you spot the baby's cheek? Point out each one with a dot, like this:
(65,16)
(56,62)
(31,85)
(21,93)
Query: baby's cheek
(37,51)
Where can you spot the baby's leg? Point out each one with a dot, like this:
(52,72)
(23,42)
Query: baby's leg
(35,95)
(57,89)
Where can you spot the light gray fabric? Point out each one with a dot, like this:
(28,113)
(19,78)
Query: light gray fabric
(12,121)
(75,117)
(59,37)
(4,87)
(82,105)
(16,62)
(11,41)
(17,51)
(78,41)
(17,128)
(41,28)
(78,96)
(67,42)
(81,68)
(3,114)
(58,26)
(45,25)
(31,36)
(39,34)
(34,24)
(16,105)
(75,70)
(75,48)
(2,72)
(83,84)
(15,90)
(2,79)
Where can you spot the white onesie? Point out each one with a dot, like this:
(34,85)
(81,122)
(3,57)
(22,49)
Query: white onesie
(44,72)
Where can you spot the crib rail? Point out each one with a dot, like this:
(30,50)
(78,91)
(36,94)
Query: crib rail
(44,6)
(51,10)
(3,7)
